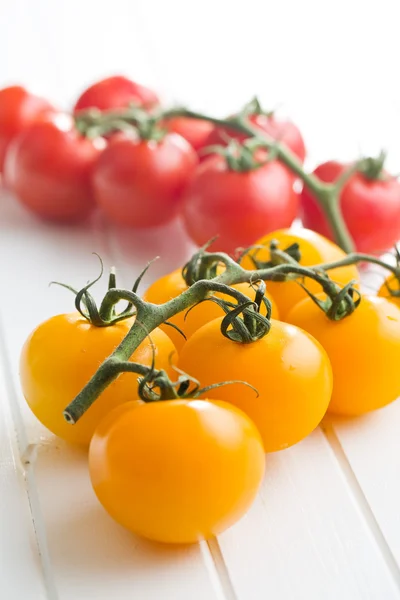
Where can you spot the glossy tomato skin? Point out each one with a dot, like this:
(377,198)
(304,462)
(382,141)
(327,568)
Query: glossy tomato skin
(314,249)
(364,350)
(18,109)
(115,92)
(288,367)
(195,131)
(176,471)
(48,168)
(59,358)
(139,183)
(239,207)
(171,285)
(371,209)
(285,132)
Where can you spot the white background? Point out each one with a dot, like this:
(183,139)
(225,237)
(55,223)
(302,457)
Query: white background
(326,524)
(331,65)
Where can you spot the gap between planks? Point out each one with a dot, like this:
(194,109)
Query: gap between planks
(26,455)
(360,500)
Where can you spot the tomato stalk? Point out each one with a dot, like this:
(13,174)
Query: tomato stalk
(341,302)
(147,125)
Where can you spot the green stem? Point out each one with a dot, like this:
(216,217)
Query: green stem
(327,194)
(357,257)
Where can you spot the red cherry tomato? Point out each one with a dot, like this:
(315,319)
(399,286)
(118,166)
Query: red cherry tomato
(195,131)
(18,109)
(48,167)
(115,92)
(371,208)
(139,183)
(283,131)
(239,207)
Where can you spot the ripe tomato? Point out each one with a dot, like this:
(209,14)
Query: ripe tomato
(314,249)
(285,132)
(115,92)
(48,167)
(290,370)
(195,131)
(18,109)
(171,285)
(371,208)
(237,206)
(393,283)
(364,350)
(176,471)
(59,358)
(139,183)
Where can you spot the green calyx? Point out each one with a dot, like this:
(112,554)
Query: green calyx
(242,157)
(340,302)
(156,386)
(106,314)
(254,108)
(290,255)
(372,168)
(133,120)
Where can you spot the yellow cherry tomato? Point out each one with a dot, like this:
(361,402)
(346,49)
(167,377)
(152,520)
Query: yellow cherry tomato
(290,370)
(364,350)
(315,249)
(176,471)
(62,354)
(392,283)
(173,284)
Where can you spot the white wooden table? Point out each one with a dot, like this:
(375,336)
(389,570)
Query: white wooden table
(326,525)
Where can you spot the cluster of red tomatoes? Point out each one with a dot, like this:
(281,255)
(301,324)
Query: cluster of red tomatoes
(62,175)
(182,470)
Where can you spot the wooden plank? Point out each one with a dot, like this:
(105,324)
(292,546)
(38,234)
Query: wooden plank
(307,536)
(89,555)
(20,564)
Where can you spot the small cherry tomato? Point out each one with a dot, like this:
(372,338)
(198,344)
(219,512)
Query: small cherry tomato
(171,285)
(314,250)
(18,109)
(139,183)
(390,283)
(364,350)
(284,131)
(238,207)
(195,131)
(48,167)
(62,354)
(176,471)
(371,208)
(289,368)
(115,92)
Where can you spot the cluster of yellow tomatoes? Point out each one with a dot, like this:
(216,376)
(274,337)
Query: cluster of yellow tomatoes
(186,469)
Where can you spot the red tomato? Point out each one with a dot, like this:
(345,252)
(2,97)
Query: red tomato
(195,131)
(283,131)
(239,207)
(48,167)
(139,183)
(115,92)
(18,109)
(371,208)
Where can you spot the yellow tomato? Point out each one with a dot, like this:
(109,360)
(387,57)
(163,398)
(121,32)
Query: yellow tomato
(314,249)
(394,284)
(176,471)
(62,354)
(172,285)
(364,350)
(290,370)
